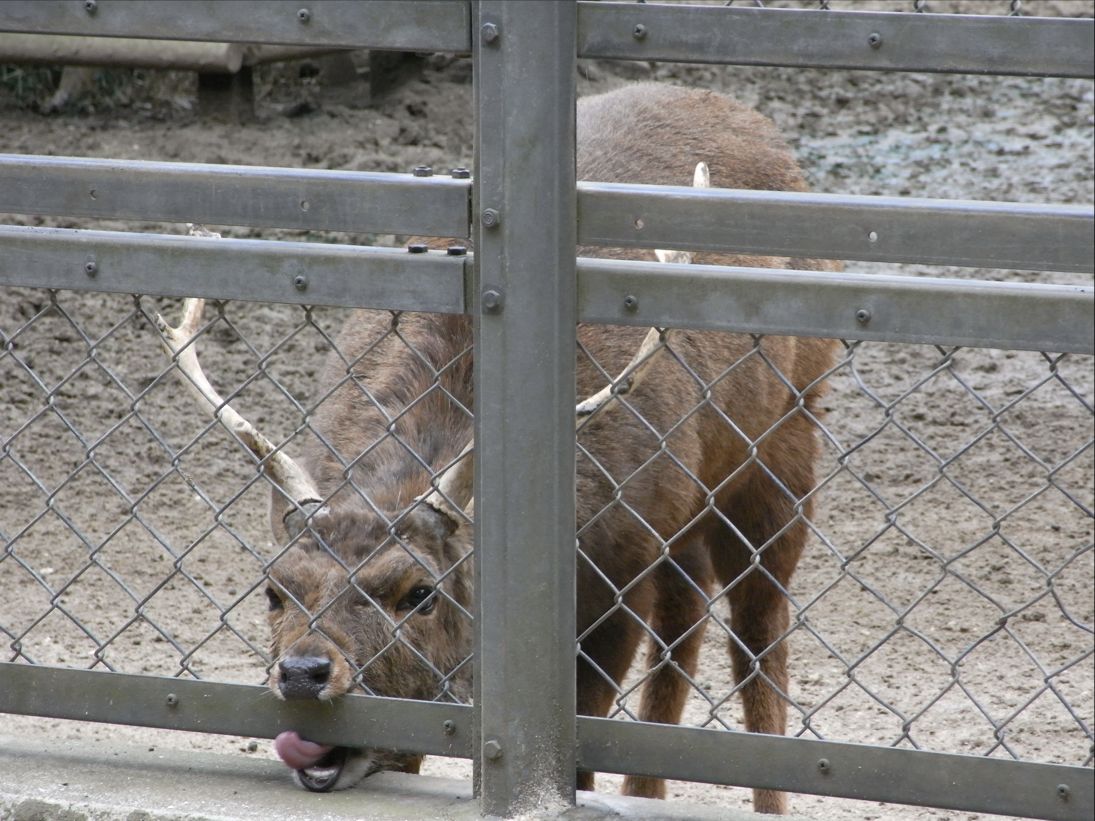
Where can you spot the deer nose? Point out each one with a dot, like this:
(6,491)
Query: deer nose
(304,676)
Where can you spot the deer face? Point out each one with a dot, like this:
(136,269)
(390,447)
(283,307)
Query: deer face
(358,605)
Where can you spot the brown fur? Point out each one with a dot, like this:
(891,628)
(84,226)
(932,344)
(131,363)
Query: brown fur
(379,438)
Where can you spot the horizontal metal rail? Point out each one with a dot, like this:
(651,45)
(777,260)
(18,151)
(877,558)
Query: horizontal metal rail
(169,265)
(885,229)
(234,195)
(403,25)
(862,771)
(835,226)
(752,300)
(233,709)
(1031,46)
(850,306)
(713,756)
(884,41)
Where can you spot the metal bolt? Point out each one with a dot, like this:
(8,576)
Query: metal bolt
(489,32)
(90,6)
(172,700)
(422,171)
(1063,792)
(631,303)
(304,15)
(639,32)
(492,750)
(874,40)
(449,727)
(863,316)
(460,173)
(823,765)
(91,268)
(492,301)
(457,250)
(300,282)
(418,248)
(490,218)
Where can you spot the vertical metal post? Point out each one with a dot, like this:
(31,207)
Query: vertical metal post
(524,388)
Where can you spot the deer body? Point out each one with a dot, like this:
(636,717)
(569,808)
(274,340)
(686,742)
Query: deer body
(720,506)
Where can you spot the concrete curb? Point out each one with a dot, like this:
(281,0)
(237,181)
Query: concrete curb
(97,781)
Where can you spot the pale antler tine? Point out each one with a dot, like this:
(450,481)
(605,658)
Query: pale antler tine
(626,382)
(701,178)
(181,344)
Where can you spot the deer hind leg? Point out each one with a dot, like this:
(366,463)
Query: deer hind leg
(759,607)
(678,622)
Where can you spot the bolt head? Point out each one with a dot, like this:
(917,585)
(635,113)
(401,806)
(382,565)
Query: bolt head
(417,248)
(457,250)
(460,174)
(492,750)
(90,6)
(91,268)
(172,700)
(863,316)
(422,171)
(492,301)
(490,218)
(304,15)
(300,282)
(489,32)
(639,32)
(874,40)
(449,727)
(631,303)
(823,765)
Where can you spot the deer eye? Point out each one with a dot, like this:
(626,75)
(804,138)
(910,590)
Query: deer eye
(420,598)
(274,599)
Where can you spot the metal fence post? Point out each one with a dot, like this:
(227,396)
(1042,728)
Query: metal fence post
(524,386)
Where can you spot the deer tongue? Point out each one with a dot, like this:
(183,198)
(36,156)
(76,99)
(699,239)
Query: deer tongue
(318,766)
(298,753)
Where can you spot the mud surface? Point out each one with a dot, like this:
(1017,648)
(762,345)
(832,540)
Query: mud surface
(945,602)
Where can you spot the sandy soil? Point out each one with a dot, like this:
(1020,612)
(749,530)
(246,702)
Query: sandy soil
(958,484)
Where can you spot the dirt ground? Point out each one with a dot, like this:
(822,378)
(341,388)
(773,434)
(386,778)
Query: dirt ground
(945,602)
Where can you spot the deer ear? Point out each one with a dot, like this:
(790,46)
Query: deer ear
(301,514)
(435,521)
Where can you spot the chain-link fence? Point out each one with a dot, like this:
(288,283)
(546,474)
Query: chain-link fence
(943,601)
(848,540)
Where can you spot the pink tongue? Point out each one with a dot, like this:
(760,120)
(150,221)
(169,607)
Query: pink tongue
(298,753)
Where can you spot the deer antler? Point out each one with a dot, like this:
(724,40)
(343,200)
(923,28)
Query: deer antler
(454,483)
(701,178)
(180,345)
(636,369)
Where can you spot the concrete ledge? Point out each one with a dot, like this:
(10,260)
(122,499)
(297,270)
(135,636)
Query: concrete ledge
(96,781)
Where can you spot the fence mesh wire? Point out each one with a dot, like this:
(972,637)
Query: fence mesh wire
(943,602)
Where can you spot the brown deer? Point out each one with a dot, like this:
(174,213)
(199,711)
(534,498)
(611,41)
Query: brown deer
(695,466)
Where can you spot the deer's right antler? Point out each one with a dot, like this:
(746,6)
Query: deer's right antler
(454,483)
(655,338)
(181,346)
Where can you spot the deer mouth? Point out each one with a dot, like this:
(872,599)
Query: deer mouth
(322,768)
(323,775)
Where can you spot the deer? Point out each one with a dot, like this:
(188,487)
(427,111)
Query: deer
(695,476)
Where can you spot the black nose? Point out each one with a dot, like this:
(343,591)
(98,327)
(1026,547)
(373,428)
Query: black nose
(304,676)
